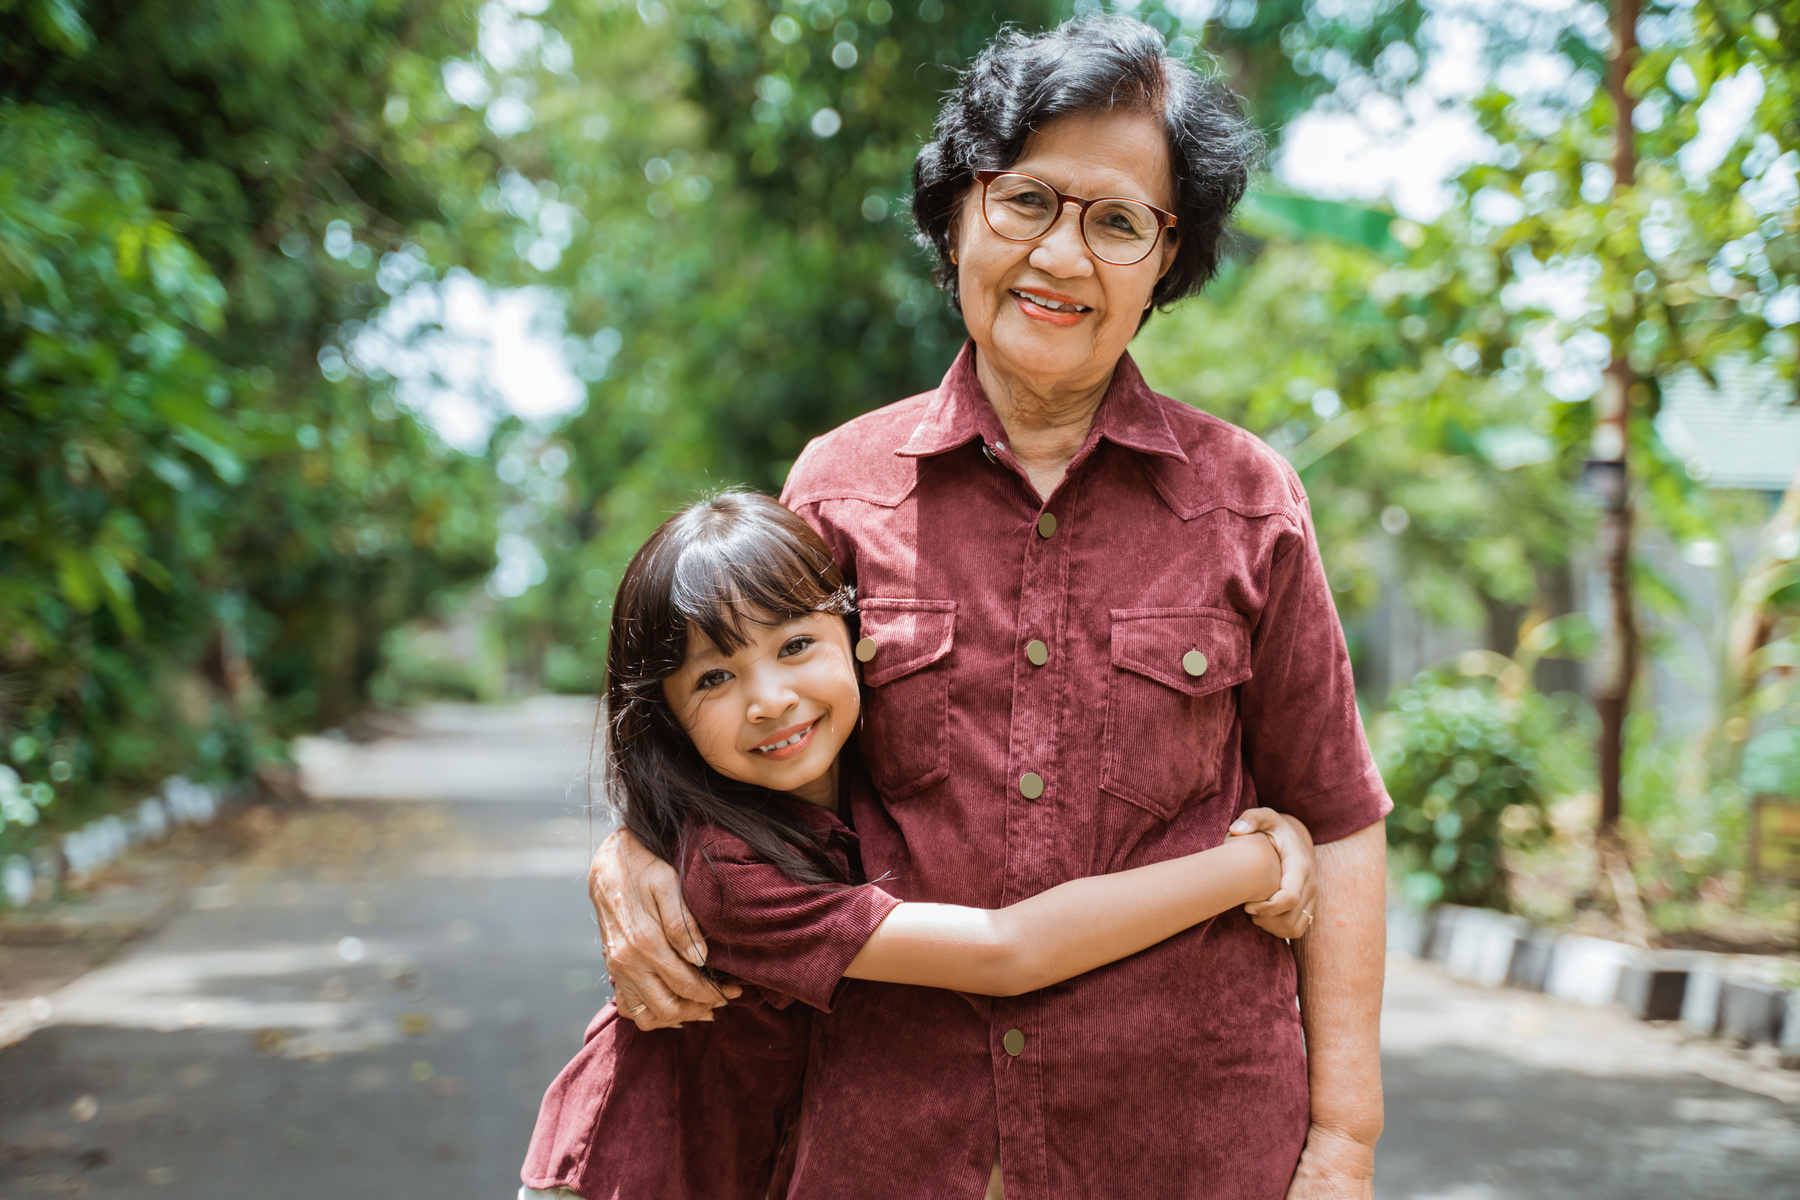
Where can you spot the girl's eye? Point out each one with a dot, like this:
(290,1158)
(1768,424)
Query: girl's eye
(795,645)
(711,679)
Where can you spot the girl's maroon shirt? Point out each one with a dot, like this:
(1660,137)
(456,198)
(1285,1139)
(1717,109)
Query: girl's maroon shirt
(1062,687)
(702,1112)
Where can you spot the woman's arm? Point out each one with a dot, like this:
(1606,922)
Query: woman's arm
(637,899)
(1341,961)
(1068,930)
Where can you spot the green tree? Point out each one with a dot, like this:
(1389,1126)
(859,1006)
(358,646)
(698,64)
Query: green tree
(1438,395)
(205,522)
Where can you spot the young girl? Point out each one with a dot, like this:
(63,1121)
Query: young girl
(731,694)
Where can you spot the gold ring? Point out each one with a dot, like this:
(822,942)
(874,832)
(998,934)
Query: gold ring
(1307,913)
(632,1012)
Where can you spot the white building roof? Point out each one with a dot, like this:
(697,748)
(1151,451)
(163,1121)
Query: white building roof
(1744,433)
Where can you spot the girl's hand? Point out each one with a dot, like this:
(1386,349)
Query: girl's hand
(1289,912)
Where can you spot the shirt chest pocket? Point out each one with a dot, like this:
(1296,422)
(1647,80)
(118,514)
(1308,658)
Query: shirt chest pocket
(1170,702)
(906,697)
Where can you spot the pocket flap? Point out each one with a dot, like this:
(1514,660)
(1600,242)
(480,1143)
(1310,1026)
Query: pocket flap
(908,635)
(1193,650)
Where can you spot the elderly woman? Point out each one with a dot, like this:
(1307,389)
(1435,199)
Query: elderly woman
(1095,629)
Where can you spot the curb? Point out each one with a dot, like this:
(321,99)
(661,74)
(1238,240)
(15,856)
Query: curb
(82,853)
(1733,996)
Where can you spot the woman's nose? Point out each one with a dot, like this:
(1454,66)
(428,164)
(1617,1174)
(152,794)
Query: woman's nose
(1061,251)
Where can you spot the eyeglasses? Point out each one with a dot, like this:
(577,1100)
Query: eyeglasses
(1022,208)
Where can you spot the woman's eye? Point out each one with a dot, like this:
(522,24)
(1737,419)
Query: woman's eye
(795,645)
(711,679)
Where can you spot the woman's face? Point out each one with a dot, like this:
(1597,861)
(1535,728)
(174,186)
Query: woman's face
(776,713)
(1104,154)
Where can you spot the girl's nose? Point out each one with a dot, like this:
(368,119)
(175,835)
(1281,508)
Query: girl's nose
(770,696)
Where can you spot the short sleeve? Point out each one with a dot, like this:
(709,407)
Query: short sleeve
(1304,743)
(761,927)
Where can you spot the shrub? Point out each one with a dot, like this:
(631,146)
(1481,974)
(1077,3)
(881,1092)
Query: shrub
(1471,757)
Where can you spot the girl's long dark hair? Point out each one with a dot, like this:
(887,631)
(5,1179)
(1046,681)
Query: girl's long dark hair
(717,567)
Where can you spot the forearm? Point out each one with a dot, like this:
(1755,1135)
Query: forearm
(1069,929)
(1341,961)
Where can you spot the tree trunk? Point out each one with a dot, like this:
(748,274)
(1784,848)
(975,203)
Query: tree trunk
(1617,669)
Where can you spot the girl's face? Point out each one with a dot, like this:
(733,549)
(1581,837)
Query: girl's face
(776,713)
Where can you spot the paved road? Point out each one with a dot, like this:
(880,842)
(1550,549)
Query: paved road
(369,1004)
(1496,1095)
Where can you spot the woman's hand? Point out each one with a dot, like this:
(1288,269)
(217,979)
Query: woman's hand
(1333,1166)
(1289,912)
(653,945)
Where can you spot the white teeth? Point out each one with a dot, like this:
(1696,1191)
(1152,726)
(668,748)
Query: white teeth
(783,742)
(1052,305)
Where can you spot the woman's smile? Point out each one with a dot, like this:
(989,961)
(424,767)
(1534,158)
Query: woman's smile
(1051,308)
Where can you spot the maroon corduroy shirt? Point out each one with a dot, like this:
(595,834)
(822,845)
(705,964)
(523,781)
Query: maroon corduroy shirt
(1062,687)
(702,1112)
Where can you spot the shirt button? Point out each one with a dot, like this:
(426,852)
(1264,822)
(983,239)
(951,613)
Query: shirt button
(1031,785)
(1014,1041)
(1046,525)
(989,452)
(1194,663)
(1037,652)
(865,649)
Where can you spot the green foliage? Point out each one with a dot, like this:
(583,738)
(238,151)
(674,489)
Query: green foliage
(1686,825)
(1438,399)
(203,538)
(1772,762)
(441,659)
(1283,55)
(1420,465)
(21,801)
(1471,760)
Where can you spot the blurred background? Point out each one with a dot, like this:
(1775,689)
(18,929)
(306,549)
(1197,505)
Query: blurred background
(350,348)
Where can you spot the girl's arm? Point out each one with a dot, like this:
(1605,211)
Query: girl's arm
(1068,930)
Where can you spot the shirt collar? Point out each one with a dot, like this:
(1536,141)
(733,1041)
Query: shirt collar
(960,412)
(957,414)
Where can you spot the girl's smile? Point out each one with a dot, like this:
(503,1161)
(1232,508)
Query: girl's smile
(776,711)
(788,743)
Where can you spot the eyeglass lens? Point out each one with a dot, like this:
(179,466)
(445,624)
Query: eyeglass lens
(1120,232)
